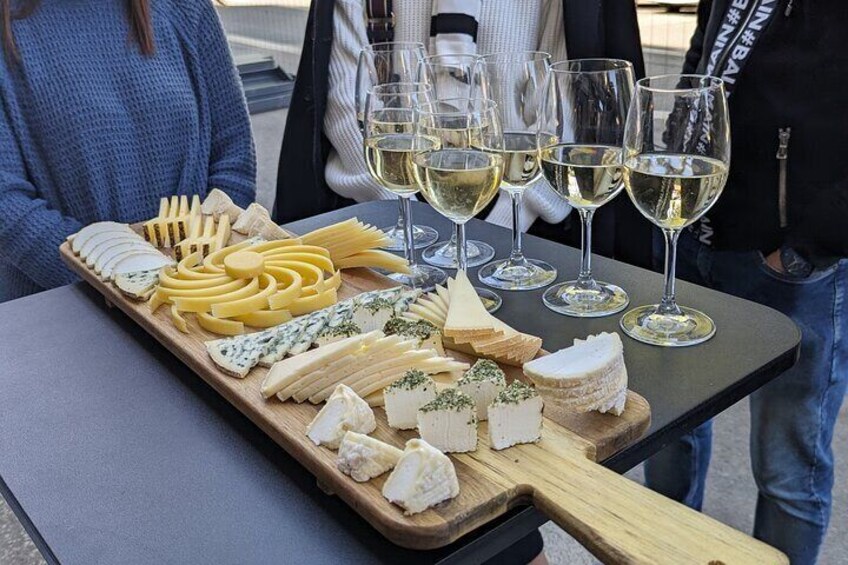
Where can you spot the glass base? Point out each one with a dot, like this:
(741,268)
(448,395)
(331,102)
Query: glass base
(421,235)
(422,276)
(689,328)
(443,254)
(571,299)
(490,300)
(530,275)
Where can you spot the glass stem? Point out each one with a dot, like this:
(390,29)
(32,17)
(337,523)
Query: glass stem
(408,241)
(461,258)
(516,256)
(584,279)
(668,305)
(399,226)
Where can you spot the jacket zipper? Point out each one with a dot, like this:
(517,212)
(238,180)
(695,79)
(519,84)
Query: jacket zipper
(782,157)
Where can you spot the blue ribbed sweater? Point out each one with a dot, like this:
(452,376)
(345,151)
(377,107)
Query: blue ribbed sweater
(91,129)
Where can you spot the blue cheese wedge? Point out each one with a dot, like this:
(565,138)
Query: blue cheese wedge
(312,327)
(515,416)
(343,412)
(364,458)
(449,422)
(342,313)
(139,285)
(426,334)
(482,382)
(286,336)
(237,356)
(423,477)
(405,300)
(405,396)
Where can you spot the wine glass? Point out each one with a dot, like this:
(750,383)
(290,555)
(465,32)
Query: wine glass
(381,63)
(515,82)
(388,128)
(580,138)
(676,159)
(453,77)
(459,174)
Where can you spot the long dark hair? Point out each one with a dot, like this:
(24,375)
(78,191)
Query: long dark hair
(138,11)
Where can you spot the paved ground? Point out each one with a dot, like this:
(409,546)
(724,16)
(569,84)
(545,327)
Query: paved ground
(731,492)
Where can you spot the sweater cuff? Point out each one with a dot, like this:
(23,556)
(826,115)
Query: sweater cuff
(542,201)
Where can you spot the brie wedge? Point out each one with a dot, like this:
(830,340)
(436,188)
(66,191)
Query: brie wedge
(364,458)
(449,422)
(482,382)
(405,396)
(344,412)
(515,416)
(422,478)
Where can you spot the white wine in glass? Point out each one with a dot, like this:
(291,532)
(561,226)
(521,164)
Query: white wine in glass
(676,160)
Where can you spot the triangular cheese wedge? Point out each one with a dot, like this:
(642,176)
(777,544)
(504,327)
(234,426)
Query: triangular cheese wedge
(466,314)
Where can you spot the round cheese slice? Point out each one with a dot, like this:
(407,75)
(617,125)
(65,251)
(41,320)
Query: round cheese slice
(90,231)
(139,261)
(94,253)
(113,253)
(103,239)
(244,265)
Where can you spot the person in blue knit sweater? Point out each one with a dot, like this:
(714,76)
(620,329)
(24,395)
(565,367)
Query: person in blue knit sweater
(105,107)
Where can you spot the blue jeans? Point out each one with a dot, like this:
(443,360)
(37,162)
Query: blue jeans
(792,417)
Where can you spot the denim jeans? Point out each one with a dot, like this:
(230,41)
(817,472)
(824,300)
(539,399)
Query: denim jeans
(792,417)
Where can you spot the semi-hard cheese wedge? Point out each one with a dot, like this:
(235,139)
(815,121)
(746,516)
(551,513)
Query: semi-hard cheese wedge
(364,458)
(515,416)
(218,202)
(344,412)
(589,375)
(449,422)
(405,396)
(290,370)
(423,477)
(466,316)
(482,382)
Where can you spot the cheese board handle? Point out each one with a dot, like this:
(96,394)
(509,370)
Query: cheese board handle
(621,521)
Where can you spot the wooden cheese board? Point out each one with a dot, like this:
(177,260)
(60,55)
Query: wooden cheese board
(616,519)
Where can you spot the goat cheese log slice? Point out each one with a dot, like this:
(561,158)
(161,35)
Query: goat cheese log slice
(364,458)
(344,412)
(423,477)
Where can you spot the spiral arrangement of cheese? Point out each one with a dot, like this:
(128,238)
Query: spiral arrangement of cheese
(355,244)
(248,284)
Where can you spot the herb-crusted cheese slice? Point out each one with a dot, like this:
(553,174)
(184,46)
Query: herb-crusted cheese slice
(364,458)
(405,396)
(423,477)
(335,333)
(449,422)
(482,382)
(373,314)
(405,300)
(427,335)
(515,416)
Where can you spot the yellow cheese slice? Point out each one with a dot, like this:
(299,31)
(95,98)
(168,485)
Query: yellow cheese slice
(428,366)
(284,296)
(214,261)
(242,306)
(423,313)
(312,275)
(466,315)
(204,303)
(374,258)
(307,304)
(319,261)
(170,279)
(219,326)
(271,246)
(222,235)
(187,268)
(229,285)
(280,251)
(178,321)
(313,237)
(244,265)
(265,318)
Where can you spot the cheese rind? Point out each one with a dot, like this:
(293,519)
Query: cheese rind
(423,477)
(515,416)
(343,412)
(449,422)
(405,396)
(482,382)
(364,458)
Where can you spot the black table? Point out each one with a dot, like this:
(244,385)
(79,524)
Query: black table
(111,451)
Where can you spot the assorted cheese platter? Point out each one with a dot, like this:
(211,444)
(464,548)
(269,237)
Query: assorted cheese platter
(425,413)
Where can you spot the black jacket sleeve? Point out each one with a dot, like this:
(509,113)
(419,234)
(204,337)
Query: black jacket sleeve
(696,45)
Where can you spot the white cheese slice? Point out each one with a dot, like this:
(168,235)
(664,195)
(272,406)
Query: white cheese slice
(344,412)
(482,382)
(111,255)
(405,396)
(515,416)
(423,477)
(364,458)
(103,240)
(81,237)
(449,422)
(135,261)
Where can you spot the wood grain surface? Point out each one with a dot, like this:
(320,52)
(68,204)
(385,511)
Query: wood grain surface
(620,521)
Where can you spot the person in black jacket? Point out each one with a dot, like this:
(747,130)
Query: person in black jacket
(778,235)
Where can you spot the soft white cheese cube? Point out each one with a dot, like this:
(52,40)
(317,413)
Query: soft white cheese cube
(423,477)
(343,412)
(482,382)
(364,458)
(515,416)
(449,422)
(405,396)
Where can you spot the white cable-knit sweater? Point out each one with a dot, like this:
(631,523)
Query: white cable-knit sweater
(505,25)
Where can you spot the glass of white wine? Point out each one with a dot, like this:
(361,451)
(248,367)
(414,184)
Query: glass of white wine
(580,138)
(381,63)
(388,132)
(676,159)
(459,175)
(454,77)
(515,81)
